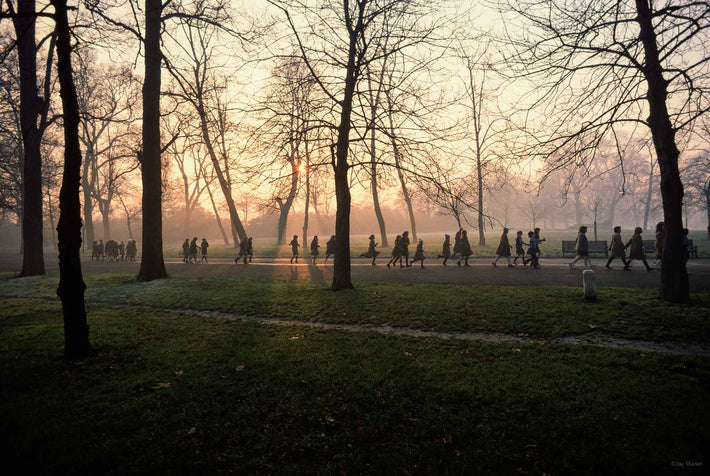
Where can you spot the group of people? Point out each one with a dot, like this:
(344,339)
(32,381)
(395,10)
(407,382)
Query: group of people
(246,250)
(189,250)
(114,251)
(329,249)
(533,244)
(637,250)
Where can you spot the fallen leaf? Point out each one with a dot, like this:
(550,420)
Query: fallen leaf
(161,385)
(178,372)
(239,368)
(329,419)
(294,338)
(192,431)
(407,353)
(516,350)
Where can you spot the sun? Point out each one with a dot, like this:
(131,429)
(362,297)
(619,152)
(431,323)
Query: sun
(302,169)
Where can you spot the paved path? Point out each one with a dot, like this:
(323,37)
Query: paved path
(554,272)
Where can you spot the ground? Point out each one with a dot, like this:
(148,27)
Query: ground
(261,369)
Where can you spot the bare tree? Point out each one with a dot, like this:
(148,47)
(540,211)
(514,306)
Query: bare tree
(71,282)
(34,121)
(640,63)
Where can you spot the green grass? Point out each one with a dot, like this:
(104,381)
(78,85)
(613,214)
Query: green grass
(540,311)
(171,393)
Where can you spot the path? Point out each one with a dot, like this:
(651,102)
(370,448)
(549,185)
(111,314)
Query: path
(554,272)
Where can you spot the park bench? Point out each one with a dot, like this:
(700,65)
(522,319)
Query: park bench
(598,248)
(650,247)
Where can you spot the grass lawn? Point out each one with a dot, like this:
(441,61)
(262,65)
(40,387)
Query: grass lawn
(170,393)
(540,311)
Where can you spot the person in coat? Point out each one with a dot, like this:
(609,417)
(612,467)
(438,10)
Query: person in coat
(396,252)
(419,254)
(582,249)
(534,249)
(637,251)
(186,250)
(617,248)
(658,244)
(445,249)
(371,251)
(330,248)
(457,242)
(243,253)
(193,250)
(131,250)
(519,250)
(404,249)
(203,250)
(314,249)
(294,248)
(465,247)
(503,249)
(250,248)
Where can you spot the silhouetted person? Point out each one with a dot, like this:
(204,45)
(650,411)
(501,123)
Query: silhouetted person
(294,248)
(94,250)
(686,247)
(371,251)
(203,249)
(637,251)
(243,252)
(457,243)
(250,248)
(519,250)
(396,250)
(617,248)
(122,250)
(503,248)
(193,251)
(466,250)
(131,250)
(404,249)
(582,249)
(419,253)
(658,244)
(330,248)
(100,249)
(314,249)
(534,249)
(445,249)
(186,250)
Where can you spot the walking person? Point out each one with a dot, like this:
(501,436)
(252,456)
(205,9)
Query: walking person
(371,250)
(396,252)
(465,247)
(419,253)
(534,250)
(686,247)
(457,244)
(250,248)
(314,249)
(404,244)
(294,248)
(242,252)
(445,249)
(203,250)
(186,250)
(637,251)
(519,250)
(193,250)
(658,244)
(122,250)
(617,248)
(503,249)
(330,248)
(582,249)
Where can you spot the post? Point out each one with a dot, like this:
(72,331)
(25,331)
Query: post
(590,285)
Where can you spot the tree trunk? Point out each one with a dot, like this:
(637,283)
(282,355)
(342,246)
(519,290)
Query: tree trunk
(649,195)
(400,174)
(577,209)
(342,278)
(373,186)
(238,232)
(674,276)
(51,220)
(31,106)
(71,282)
(306,205)
(707,208)
(152,261)
(216,215)
(88,207)
(285,206)
(479,171)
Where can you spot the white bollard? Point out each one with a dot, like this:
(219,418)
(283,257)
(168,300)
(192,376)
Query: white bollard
(590,285)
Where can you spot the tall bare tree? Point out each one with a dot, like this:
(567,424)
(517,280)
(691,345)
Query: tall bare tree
(639,63)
